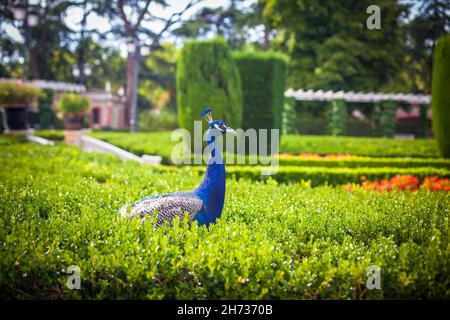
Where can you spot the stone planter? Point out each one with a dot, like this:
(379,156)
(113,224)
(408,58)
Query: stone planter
(15,118)
(73,125)
(73,121)
(73,137)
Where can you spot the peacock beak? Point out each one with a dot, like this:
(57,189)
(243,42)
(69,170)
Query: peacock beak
(230,130)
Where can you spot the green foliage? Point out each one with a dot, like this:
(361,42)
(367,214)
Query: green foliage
(151,120)
(430,21)
(235,22)
(72,102)
(59,208)
(422,131)
(377,116)
(46,115)
(328,175)
(55,135)
(440,96)
(389,111)
(18,93)
(263,79)
(374,147)
(368,162)
(289,117)
(207,76)
(338,118)
(157,83)
(341,54)
(160,143)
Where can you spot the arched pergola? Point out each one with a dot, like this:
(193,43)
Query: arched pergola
(350,96)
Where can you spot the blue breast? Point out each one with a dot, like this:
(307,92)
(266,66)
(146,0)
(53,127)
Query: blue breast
(212,191)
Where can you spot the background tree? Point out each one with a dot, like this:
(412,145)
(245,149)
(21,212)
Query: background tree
(129,20)
(330,46)
(158,86)
(50,33)
(431,22)
(239,23)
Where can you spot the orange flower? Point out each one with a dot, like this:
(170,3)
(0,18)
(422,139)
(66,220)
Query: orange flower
(405,183)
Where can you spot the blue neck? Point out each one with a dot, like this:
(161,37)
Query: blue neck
(212,188)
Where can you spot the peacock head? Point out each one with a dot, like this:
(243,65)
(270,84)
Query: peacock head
(219,125)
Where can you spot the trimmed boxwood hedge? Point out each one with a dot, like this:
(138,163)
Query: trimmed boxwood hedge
(440,100)
(356,162)
(58,207)
(338,118)
(160,143)
(326,175)
(207,76)
(263,79)
(373,147)
(56,135)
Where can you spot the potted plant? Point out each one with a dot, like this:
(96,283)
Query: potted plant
(73,106)
(15,99)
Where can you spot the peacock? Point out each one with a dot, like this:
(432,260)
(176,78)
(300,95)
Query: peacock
(203,204)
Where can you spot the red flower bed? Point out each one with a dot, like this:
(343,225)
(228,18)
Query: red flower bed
(402,183)
(306,155)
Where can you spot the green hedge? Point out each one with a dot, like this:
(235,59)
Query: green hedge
(160,143)
(207,76)
(356,162)
(338,118)
(58,207)
(326,175)
(440,95)
(56,135)
(373,147)
(389,112)
(263,79)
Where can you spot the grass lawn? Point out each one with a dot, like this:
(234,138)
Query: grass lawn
(59,207)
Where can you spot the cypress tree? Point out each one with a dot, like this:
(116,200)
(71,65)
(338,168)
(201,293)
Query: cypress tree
(440,97)
(207,76)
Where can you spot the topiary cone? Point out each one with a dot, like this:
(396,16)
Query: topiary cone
(440,96)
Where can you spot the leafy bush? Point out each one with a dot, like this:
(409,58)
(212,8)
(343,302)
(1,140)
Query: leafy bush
(440,96)
(56,135)
(374,147)
(12,93)
(207,76)
(263,79)
(377,117)
(289,117)
(338,119)
(356,162)
(160,143)
(422,130)
(326,175)
(72,103)
(58,207)
(46,116)
(151,120)
(389,112)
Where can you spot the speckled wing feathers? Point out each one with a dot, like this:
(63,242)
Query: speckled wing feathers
(167,207)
